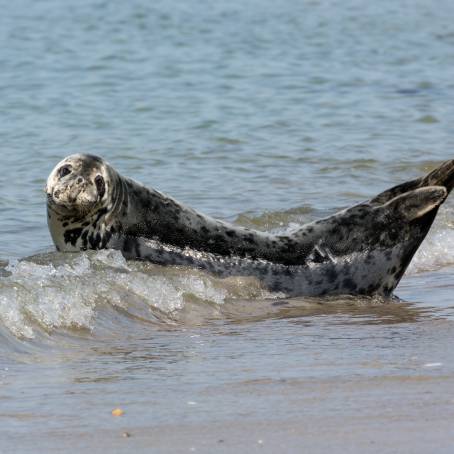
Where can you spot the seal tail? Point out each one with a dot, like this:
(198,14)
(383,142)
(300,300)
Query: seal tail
(443,175)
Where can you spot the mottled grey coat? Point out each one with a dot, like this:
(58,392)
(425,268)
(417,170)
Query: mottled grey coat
(361,250)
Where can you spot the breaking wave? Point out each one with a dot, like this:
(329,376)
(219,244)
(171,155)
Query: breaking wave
(55,290)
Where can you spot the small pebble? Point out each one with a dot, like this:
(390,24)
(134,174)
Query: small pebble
(118,412)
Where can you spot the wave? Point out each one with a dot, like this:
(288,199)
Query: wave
(54,290)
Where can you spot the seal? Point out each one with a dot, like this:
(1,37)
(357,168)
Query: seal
(363,250)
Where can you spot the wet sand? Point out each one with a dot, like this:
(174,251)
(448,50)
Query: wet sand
(404,412)
(393,426)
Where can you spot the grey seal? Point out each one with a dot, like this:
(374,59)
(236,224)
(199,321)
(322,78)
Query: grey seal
(363,250)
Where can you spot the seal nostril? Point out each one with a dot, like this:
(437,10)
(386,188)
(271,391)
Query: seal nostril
(80,180)
(57,194)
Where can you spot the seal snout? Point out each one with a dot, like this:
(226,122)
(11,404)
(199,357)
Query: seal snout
(72,189)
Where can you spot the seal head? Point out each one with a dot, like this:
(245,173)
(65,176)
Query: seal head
(82,196)
(78,185)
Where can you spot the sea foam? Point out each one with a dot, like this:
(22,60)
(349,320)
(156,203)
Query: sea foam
(67,290)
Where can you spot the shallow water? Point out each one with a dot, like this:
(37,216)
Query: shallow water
(267,114)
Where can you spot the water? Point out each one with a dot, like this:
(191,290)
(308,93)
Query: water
(263,113)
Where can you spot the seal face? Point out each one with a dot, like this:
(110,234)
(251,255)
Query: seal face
(79,197)
(361,250)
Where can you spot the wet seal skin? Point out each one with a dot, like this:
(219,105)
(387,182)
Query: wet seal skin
(362,250)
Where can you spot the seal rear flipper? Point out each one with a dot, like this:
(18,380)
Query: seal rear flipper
(409,218)
(415,204)
(443,175)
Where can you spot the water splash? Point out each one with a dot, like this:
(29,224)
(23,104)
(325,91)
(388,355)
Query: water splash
(437,249)
(54,291)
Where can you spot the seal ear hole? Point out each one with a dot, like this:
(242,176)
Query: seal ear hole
(100,186)
(63,171)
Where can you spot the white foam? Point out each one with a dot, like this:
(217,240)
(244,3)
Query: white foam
(11,315)
(437,250)
(67,290)
(46,295)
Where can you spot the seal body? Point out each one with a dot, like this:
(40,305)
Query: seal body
(361,250)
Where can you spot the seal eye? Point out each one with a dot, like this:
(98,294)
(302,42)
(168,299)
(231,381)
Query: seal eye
(100,186)
(63,171)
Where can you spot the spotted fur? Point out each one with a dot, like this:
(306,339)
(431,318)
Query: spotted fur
(361,250)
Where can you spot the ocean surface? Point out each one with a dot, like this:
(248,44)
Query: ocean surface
(268,114)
